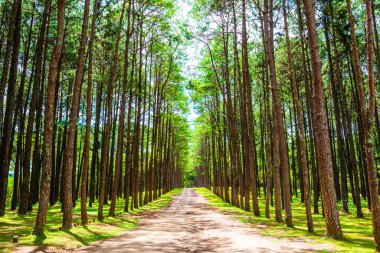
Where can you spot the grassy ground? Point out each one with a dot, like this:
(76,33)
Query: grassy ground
(14,224)
(357,232)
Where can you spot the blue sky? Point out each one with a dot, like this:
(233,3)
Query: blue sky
(192,51)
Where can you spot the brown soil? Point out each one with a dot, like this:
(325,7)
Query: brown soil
(188,224)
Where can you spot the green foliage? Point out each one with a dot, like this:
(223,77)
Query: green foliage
(189,176)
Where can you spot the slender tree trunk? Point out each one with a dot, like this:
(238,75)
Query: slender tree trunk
(23,208)
(10,104)
(120,135)
(251,136)
(368,128)
(105,145)
(268,31)
(48,127)
(19,113)
(7,58)
(333,228)
(300,123)
(128,152)
(86,148)
(95,149)
(67,200)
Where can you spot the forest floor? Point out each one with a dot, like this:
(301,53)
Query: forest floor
(62,241)
(357,231)
(196,220)
(190,224)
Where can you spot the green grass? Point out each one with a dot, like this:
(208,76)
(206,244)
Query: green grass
(13,224)
(357,232)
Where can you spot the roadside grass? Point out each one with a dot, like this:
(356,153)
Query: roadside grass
(14,224)
(357,231)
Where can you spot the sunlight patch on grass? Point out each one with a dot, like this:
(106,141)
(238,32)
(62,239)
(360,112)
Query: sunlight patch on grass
(357,231)
(13,224)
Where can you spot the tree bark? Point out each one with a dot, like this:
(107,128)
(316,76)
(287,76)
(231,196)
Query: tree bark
(300,123)
(5,147)
(333,228)
(86,148)
(368,118)
(67,174)
(251,136)
(49,120)
(106,140)
(268,31)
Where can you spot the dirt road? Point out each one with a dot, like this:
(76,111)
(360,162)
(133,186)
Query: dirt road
(188,224)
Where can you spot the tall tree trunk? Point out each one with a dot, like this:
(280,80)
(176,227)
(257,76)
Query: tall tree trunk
(251,137)
(300,123)
(333,228)
(368,118)
(120,134)
(127,176)
(5,147)
(86,148)
(32,111)
(49,120)
(268,31)
(7,58)
(67,200)
(95,149)
(106,140)
(19,113)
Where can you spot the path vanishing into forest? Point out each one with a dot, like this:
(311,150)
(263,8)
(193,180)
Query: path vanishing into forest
(189,224)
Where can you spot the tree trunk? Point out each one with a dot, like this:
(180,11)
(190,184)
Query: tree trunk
(120,135)
(86,148)
(67,200)
(300,123)
(6,144)
(106,140)
(368,118)
(49,120)
(333,228)
(248,96)
(268,31)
